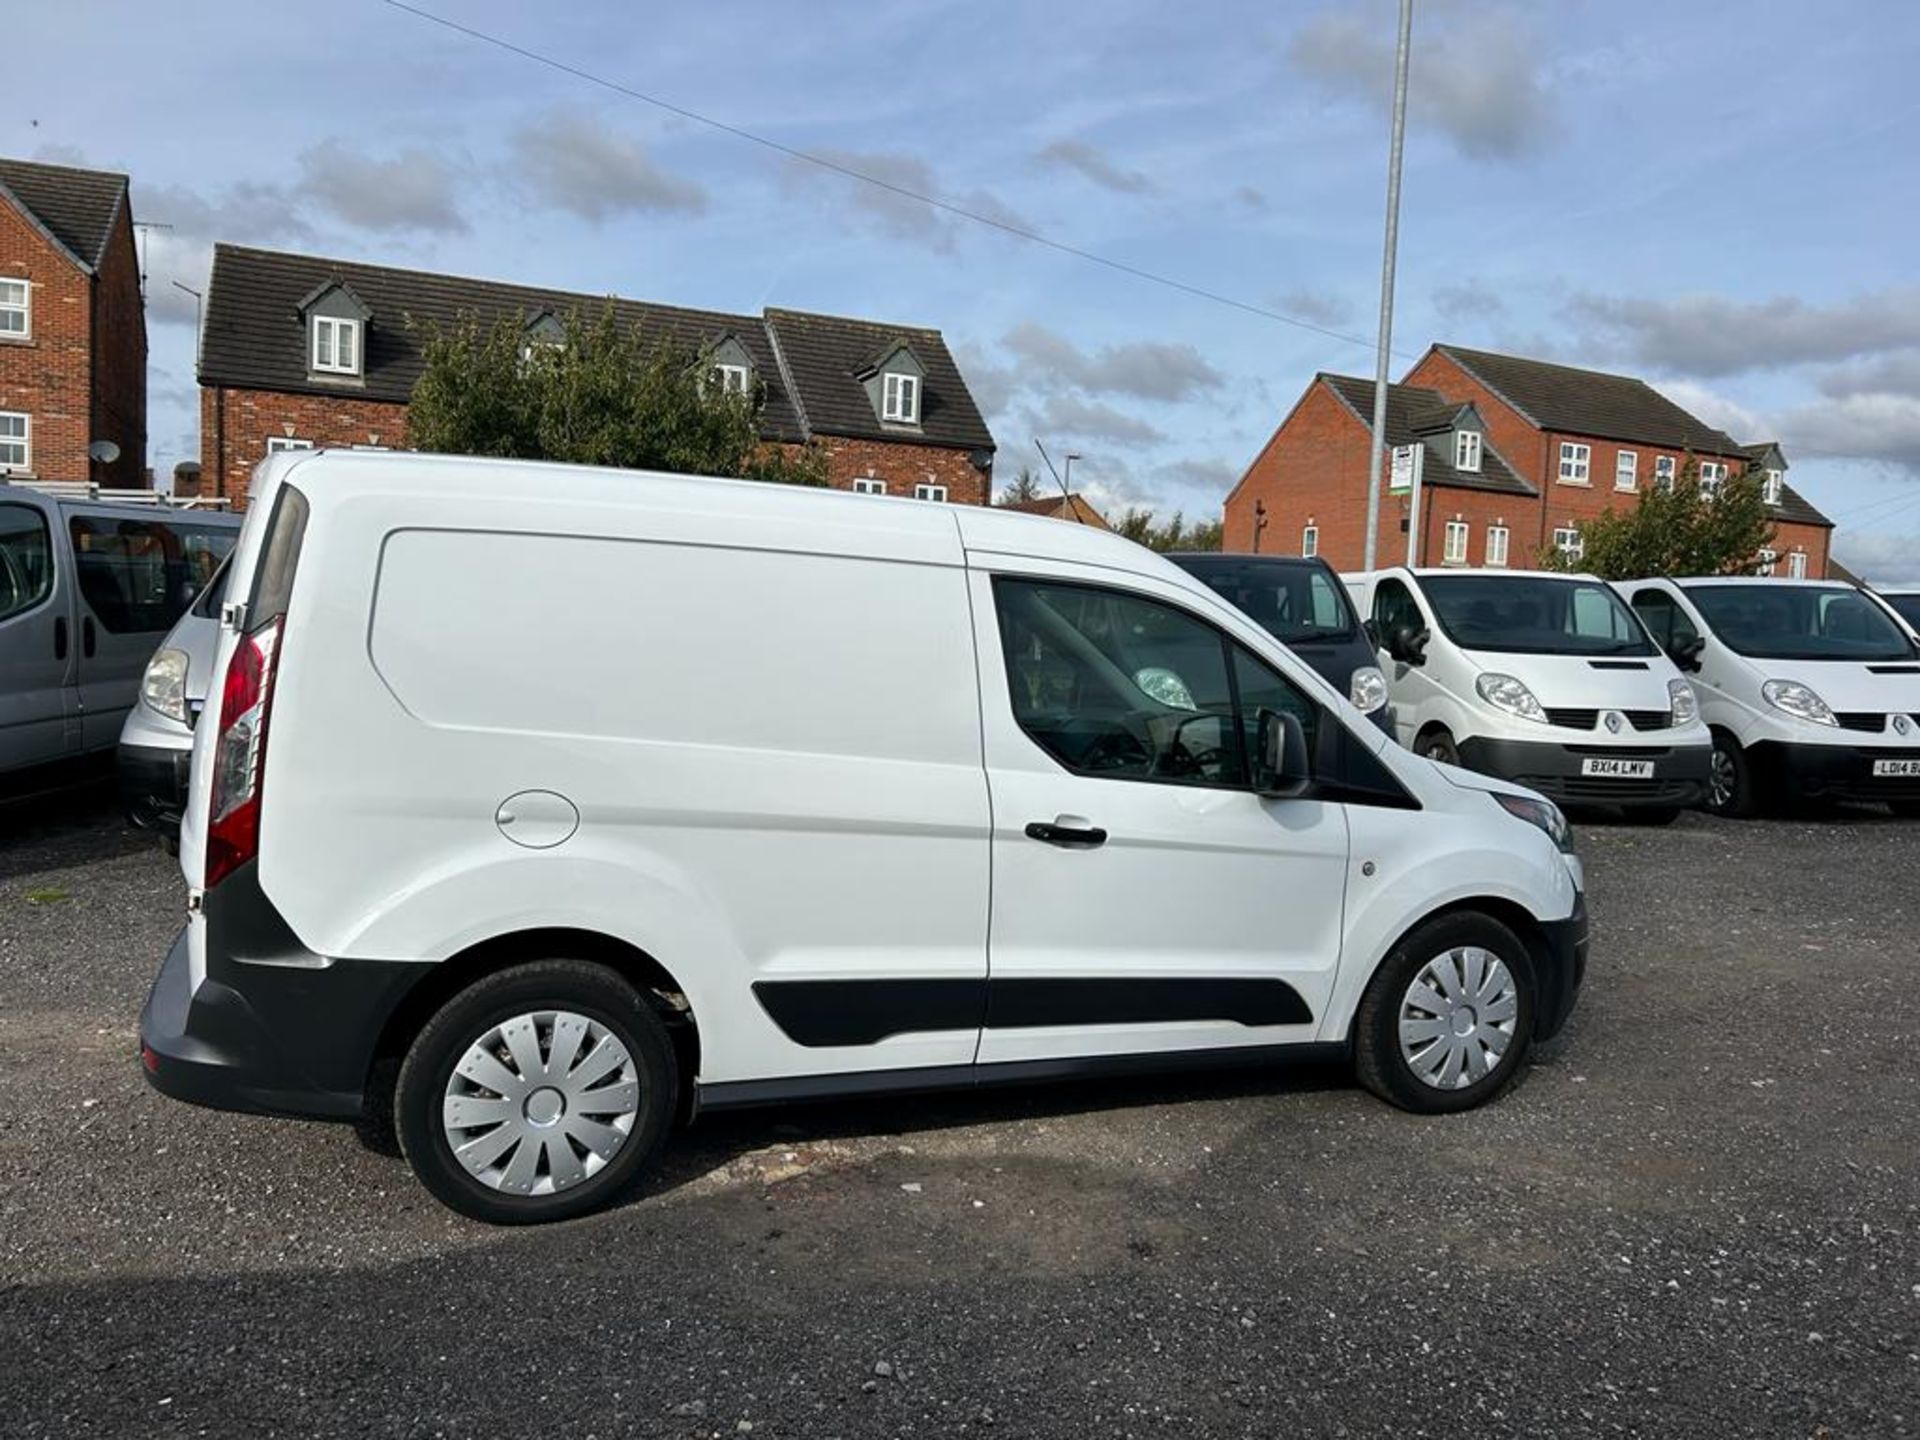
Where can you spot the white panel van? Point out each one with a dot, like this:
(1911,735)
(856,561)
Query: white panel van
(541,805)
(1547,680)
(1810,687)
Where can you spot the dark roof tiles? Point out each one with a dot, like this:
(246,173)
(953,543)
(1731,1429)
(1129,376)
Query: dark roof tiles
(1412,412)
(76,207)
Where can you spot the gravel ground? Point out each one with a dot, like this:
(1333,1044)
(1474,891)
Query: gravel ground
(1698,1214)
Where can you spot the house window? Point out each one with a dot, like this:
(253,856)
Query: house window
(16,310)
(1797,565)
(277,443)
(1626,470)
(925,491)
(1567,540)
(1663,472)
(336,345)
(900,398)
(1712,476)
(1456,546)
(1767,563)
(16,441)
(1496,547)
(732,378)
(1575,462)
(1310,541)
(867,485)
(1770,487)
(1466,450)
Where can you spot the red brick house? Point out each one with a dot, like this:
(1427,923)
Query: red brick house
(300,351)
(73,333)
(1518,454)
(1072,507)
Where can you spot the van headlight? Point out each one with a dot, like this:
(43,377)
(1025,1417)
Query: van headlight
(1683,704)
(1369,689)
(1503,692)
(1792,698)
(164,685)
(1540,812)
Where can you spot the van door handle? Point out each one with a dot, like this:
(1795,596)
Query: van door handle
(87,637)
(59,637)
(1090,836)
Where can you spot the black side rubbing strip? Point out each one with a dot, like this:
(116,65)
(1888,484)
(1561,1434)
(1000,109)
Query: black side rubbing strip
(864,1012)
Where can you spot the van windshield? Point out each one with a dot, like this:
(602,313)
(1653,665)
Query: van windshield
(1908,607)
(1800,622)
(1534,615)
(1294,601)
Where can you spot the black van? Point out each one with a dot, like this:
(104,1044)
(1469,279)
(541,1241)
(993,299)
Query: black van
(1300,601)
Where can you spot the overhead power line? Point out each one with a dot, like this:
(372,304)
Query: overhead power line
(850,172)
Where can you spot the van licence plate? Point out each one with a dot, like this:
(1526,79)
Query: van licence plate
(1897,767)
(1617,769)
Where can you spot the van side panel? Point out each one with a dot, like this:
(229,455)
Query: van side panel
(775,757)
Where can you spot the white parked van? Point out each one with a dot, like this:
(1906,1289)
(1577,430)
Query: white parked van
(1811,688)
(1547,680)
(577,797)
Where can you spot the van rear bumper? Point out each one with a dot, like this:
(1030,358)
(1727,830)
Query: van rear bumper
(1679,774)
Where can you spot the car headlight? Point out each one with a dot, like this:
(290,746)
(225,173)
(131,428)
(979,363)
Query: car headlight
(1542,813)
(1797,700)
(1503,692)
(164,685)
(1369,689)
(1682,702)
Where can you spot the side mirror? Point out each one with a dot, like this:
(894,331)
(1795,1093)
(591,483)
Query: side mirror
(1686,653)
(1372,631)
(1408,644)
(1281,767)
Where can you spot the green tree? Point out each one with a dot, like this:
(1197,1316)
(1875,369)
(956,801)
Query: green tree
(1140,526)
(602,397)
(1023,487)
(1677,530)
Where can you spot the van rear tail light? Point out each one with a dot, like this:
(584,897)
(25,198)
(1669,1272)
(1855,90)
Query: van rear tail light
(240,753)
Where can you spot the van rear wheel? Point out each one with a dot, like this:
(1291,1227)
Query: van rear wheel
(538,1093)
(1447,1020)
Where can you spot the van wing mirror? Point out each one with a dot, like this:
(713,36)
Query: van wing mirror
(1686,653)
(1408,644)
(1282,769)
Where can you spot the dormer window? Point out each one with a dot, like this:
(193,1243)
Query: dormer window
(543,336)
(1770,485)
(732,379)
(1466,451)
(900,398)
(336,345)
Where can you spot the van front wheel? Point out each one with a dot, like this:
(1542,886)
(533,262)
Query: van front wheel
(538,1093)
(1732,789)
(1437,744)
(1446,1023)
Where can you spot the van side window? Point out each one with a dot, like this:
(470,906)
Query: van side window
(1661,615)
(1119,686)
(1394,605)
(138,575)
(1261,687)
(26,559)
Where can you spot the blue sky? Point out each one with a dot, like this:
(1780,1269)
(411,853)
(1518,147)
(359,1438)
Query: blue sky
(1722,198)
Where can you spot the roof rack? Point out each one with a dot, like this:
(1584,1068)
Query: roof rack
(88,490)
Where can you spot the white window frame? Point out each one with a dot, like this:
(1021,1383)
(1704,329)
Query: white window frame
(24,440)
(277,443)
(1797,565)
(24,309)
(900,397)
(1466,451)
(867,485)
(1454,545)
(733,379)
(1713,475)
(1665,468)
(1769,562)
(1772,481)
(1568,541)
(927,490)
(1497,554)
(1310,541)
(1576,463)
(334,327)
(1626,470)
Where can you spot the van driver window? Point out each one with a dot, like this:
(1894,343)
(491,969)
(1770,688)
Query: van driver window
(1119,686)
(1394,606)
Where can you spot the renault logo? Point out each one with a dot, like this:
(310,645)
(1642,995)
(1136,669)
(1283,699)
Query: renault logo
(1613,722)
(1901,725)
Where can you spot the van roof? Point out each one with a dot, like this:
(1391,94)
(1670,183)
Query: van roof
(1422,571)
(1772,582)
(337,474)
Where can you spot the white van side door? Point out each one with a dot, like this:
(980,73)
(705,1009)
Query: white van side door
(39,708)
(1144,898)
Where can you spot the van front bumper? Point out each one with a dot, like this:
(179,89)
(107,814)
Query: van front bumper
(1679,774)
(153,785)
(1834,772)
(1564,943)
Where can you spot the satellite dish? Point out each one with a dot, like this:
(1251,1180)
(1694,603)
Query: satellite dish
(103,452)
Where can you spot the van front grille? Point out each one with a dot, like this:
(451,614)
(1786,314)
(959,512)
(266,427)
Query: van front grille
(1572,719)
(1649,719)
(1871,722)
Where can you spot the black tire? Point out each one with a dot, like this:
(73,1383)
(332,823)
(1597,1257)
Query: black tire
(591,991)
(1438,745)
(1732,788)
(1656,815)
(1378,1060)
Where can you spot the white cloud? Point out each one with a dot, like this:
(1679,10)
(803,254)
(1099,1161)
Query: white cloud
(1093,164)
(1878,427)
(1074,417)
(1320,307)
(1147,369)
(415,189)
(896,213)
(1720,411)
(570,160)
(1715,335)
(1878,557)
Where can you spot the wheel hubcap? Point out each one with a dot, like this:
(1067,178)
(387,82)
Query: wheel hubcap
(1721,778)
(541,1102)
(1457,1018)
